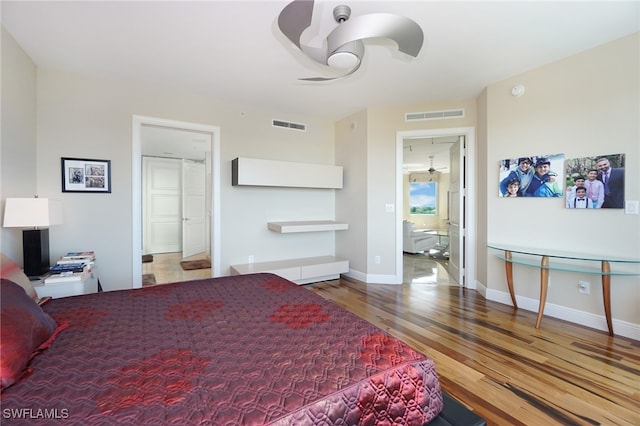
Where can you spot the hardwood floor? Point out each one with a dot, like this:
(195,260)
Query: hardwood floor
(492,359)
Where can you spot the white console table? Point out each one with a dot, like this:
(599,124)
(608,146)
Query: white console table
(552,260)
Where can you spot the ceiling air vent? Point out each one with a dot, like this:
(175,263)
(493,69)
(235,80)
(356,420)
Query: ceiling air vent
(434,115)
(289,125)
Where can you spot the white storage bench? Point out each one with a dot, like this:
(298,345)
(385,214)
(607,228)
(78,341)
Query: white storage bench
(301,271)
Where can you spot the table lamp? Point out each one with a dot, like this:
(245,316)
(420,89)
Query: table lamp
(34,213)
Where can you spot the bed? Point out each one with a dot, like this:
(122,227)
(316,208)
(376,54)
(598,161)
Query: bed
(240,350)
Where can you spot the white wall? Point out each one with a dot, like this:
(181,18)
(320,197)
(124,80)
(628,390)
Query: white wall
(18,172)
(584,105)
(351,153)
(81,116)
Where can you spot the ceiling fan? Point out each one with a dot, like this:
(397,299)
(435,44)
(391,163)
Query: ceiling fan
(431,169)
(343,48)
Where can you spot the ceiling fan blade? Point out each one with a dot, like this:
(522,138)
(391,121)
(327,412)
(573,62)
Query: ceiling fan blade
(405,32)
(294,19)
(351,71)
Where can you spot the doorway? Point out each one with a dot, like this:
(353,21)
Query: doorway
(212,188)
(462,226)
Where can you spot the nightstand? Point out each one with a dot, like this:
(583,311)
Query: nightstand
(87,285)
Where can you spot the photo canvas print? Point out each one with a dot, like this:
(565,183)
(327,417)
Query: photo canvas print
(595,182)
(532,176)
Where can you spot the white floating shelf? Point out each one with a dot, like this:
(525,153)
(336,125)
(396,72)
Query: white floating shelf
(256,172)
(307,226)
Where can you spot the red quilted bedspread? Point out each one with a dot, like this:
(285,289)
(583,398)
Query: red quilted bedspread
(241,350)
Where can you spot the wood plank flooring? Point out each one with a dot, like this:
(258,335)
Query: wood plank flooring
(492,359)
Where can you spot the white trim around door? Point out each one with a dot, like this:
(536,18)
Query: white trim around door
(469,194)
(136,190)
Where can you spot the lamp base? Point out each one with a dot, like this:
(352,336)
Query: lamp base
(35,251)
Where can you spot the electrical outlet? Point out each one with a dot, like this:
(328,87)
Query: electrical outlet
(250,258)
(584,287)
(377,260)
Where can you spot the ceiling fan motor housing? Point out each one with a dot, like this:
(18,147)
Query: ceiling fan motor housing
(341,13)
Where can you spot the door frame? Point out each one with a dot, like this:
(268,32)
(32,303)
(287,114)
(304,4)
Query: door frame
(136,190)
(468,213)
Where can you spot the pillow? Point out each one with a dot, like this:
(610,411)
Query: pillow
(11,271)
(24,329)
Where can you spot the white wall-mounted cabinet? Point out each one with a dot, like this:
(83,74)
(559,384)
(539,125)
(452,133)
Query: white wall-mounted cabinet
(256,172)
(307,226)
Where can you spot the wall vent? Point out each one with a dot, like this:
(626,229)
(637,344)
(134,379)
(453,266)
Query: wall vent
(289,125)
(434,115)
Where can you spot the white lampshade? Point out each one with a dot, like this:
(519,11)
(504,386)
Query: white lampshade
(32,212)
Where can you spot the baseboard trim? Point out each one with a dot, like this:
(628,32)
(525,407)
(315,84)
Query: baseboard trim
(372,278)
(587,319)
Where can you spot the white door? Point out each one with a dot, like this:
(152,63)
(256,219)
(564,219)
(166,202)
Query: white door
(193,208)
(161,205)
(456,211)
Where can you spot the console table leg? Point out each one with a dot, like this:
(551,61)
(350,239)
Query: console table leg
(544,284)
(509,269)
(606,293)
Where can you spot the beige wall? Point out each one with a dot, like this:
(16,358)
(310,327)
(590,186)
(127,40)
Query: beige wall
(18,172)
(482,192)
(80,116)
(351,153)
(584,105)
(383,126)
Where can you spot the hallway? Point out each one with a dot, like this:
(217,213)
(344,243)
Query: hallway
(422,269)
(166,268)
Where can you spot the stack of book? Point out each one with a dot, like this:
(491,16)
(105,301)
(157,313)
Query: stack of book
(77,256)
(75,266)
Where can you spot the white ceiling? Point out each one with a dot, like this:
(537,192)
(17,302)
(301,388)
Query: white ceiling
(166,142)
(420,154)
(233,50)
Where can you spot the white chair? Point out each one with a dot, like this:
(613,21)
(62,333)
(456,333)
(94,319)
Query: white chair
(417,241)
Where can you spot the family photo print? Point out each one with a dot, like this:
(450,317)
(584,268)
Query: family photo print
(595,182)
(532,176)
